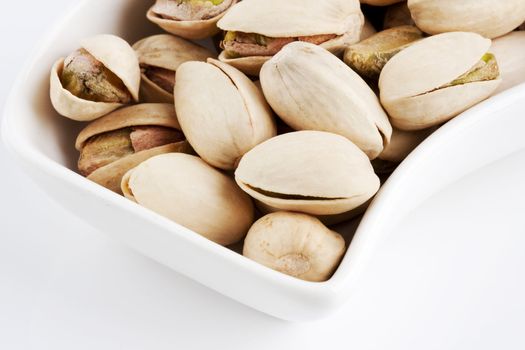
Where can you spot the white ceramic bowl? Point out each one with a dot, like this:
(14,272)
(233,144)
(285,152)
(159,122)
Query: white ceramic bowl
(42,142)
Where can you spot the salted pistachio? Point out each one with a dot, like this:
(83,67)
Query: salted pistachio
(190,19)
(311,89)
(313,172)
(397,15)
(257,30)
(380,2)
(295,244)
(488,18)
(222,112)
(190,192)
(159,57)
(510,53)
(96,79)
(369,56)
(119,141)
(437,78)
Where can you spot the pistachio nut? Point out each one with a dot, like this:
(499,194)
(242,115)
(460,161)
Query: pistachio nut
(256,30)
(369,56)
(311,89)
(187,190)
(295,244)
(119,141)
(397,15)
(312,172)
(510,52)
(380,2)
(190,19)
(222,112)
(436,78)
(96,79)
(159,57)
(488,18)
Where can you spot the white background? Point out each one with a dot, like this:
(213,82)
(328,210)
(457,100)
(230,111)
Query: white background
(450,277)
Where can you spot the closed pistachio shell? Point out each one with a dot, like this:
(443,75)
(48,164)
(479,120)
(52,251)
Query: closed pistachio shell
(185,189)
(313,172)
(510,53)
(311,89)
(488,18)
(118,57)
(222,112)
(167,52)
(416,85)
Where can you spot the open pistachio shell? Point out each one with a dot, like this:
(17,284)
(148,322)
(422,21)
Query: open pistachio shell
(167,52)
(194,30)
(185,189)
(311,89)
(488,18)
(510,53)
(292,19)
(313,172)
(380,2)
(222,112)
(419,86)
(111,174)
(117,56)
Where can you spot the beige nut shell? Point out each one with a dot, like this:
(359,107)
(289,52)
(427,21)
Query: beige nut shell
(222,112)
(313,172)
(510,53)
(410,82)
(117,56)
(190,192)
(489,18)
(311,89)
(169,52)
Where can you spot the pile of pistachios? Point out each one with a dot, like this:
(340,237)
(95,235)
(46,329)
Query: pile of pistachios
(292,123)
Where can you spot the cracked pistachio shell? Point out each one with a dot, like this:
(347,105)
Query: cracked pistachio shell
(168,52)
(293,18)
(193,30)
(312,172)
(222,112)
(397,15)
(117,56)
(380,2)
(411,83)
(187,190)
(510,53)
(295,244)
(110,175)
(311,89)
(488,18)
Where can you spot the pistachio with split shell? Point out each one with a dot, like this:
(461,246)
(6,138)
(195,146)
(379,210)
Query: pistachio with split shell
(311,89)
(257,30)
(397,15)
(222,112)
(437,78)
(187,190)
(119,141)
(295,244)
(488,18)
(510,53)
(190,19)
(159,57)
(313,172)
(369,56)
(96,79)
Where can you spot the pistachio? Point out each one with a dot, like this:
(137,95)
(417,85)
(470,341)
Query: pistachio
(486,17)
(368,57)
(256,30)
(437,78)
(311,89)
(185,189)
(159,57)
(313,172)
(510,53)
(222,112)
(295,244)
(397,15)
(96,79)
(113,144)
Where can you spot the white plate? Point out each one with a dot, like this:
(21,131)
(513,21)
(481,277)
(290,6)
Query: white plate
(43,142)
